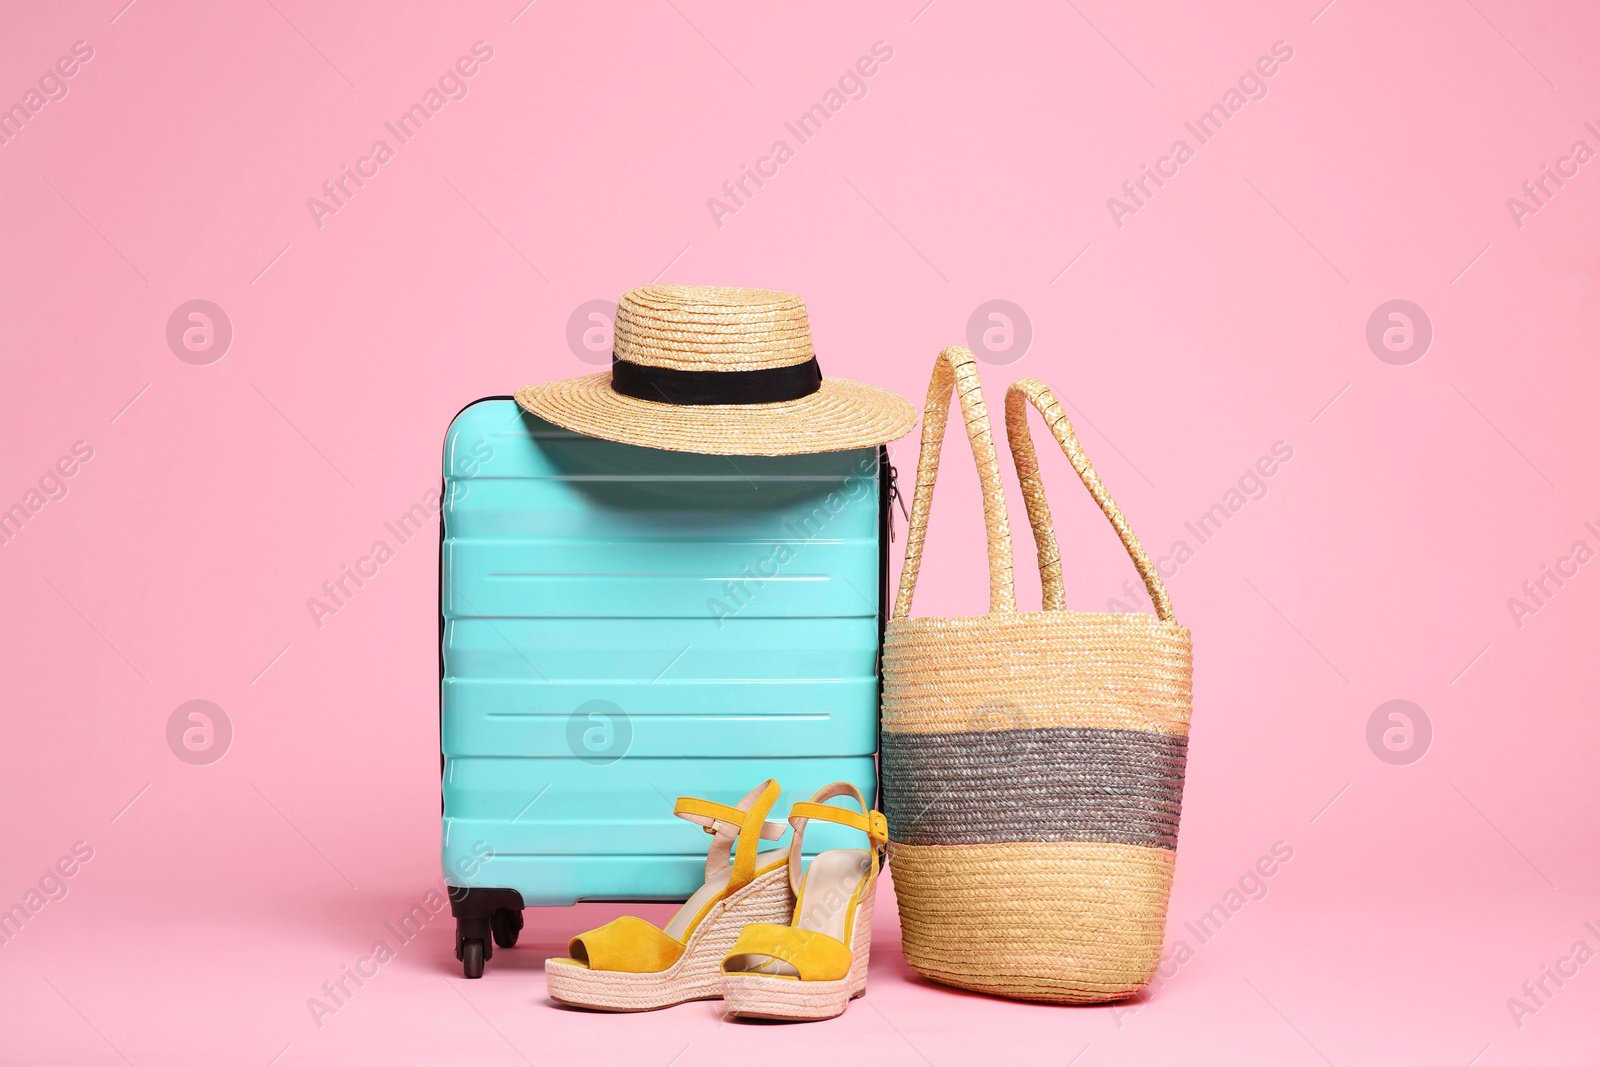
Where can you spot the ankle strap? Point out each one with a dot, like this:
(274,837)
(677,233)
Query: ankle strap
(743,823)
(870,822)
(722,819)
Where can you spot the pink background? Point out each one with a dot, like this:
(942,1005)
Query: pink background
(1227,314)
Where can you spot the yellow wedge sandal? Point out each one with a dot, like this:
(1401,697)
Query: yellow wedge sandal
(630,965)
(814,966)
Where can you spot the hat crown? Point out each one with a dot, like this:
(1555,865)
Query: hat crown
(706,327)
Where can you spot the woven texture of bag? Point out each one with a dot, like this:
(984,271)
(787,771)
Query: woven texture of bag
(1032,762)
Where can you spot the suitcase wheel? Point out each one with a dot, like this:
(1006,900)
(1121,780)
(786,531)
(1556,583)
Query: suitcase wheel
(472,958)
(506,925)
(485,917)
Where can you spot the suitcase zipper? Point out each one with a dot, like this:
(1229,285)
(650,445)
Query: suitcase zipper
(895,497)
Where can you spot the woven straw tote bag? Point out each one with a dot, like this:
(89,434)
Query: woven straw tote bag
(1032,761)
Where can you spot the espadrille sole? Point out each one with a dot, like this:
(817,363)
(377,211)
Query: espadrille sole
(754,996)
(698,973)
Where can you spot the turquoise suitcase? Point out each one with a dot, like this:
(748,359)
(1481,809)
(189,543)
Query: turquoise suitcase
(621,626)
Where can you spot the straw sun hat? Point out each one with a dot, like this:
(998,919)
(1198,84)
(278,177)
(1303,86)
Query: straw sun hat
(719,371)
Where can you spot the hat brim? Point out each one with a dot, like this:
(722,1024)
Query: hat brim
(841,414)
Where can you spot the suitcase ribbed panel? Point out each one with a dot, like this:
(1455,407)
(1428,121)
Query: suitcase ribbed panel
(626,625)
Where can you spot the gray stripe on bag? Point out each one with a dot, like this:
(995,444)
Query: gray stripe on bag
(1061,783)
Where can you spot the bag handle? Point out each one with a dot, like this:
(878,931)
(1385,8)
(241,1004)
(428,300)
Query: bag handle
(1032,391)
(956,371)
